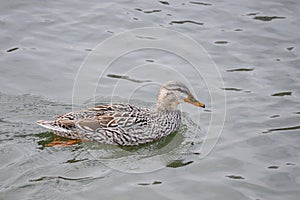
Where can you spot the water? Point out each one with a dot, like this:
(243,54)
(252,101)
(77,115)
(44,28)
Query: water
(255,45)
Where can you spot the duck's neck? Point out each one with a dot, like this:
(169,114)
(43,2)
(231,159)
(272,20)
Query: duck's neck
(164,109)
(166,101)
(166,105)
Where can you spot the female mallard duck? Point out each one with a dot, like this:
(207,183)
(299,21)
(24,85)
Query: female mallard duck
(125,124)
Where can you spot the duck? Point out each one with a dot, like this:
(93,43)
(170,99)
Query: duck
(126,124)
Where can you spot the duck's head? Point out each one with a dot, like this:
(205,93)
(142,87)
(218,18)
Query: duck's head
(173,93)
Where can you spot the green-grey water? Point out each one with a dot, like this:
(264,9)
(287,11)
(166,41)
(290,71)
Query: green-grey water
(254,44)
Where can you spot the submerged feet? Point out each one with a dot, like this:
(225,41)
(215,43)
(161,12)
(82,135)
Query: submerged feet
(62,143)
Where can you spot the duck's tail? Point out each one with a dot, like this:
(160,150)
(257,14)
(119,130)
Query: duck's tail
(51,125)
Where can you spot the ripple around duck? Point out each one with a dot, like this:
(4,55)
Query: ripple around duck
(166,152)
(178,163)
(169,151)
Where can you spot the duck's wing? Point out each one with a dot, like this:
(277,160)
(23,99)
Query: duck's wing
(109,117)
(104,117)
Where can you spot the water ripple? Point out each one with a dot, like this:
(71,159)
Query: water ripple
(47,178)
(147,11)
(186,21)
(153,183)
(240,70)
(146,37)
(281,94)
(221,42)
(178,163)
(231,89)
(127,78)
(12,49)
(235,177)
(267,18)
(200,3)
(282,129)
(164,2)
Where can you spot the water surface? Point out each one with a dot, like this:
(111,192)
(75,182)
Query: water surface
(255,44)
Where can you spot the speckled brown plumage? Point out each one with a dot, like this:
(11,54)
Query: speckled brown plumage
(124,124)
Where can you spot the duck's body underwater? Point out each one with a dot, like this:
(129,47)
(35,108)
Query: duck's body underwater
(125,124)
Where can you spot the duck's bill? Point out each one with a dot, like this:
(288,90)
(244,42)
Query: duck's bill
(194,102)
